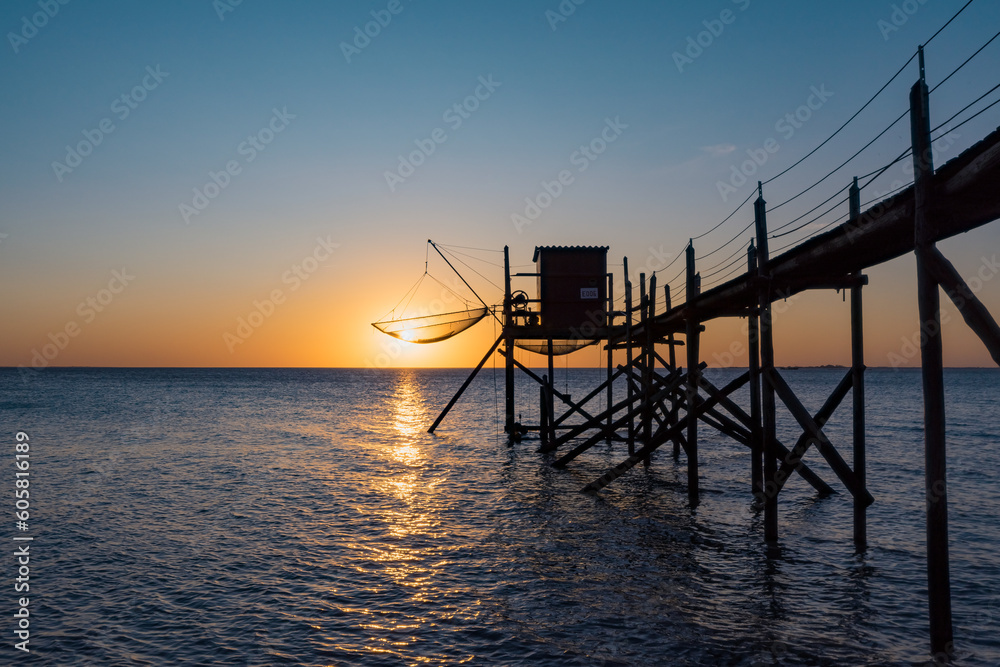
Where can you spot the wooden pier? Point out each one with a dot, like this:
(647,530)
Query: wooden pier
(665,401)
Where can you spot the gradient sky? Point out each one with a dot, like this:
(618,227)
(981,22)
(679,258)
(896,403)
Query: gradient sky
(228,72)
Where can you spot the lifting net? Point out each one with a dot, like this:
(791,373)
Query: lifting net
(431,328)
(559,346)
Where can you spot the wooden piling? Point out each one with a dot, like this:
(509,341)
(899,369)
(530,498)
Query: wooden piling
(646,418)
(610,320)
(543,412)
(672,419)
(508,343)
(630,438)
(858,387)
(769,434)
(931,356)
(693,336)
(753,351)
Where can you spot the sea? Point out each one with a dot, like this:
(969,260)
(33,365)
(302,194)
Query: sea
(307,517)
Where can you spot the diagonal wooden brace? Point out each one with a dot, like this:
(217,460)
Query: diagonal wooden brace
(794,458)
(823,444)
(975,314)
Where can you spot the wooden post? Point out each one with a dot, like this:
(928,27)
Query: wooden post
(628,353)
(693,335)
(673,367)
(858,388)
(543,412)
(931,356)
(768,406)
(647,381)
(753,348)
(508,344)
(647,435)
(609,322)
(550,405)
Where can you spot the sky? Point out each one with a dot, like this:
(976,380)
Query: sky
(235,184)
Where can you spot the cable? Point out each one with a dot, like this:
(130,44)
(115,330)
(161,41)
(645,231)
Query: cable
(464,247)
(900,71)
(955,71)
(806,224)
(842,164)
(966,108)
(679,255)
(972,117)
(474,271)
(881,170)
(735,261)
(695,238)
(478,259)
(738,251)
(949,22)
(823,203)
(738,234)
(887,194)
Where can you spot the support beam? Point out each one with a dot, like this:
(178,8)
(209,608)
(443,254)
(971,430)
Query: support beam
(610,321)
(693,340)
(858,382)
(630,416)
(794,457)
(773,378)
(769,434)
(630,438)
(753,347)
(802,469)
(465,385)
(508,344)
(659,438)
(931,356)
(573,407)
(672,365)
(974,312)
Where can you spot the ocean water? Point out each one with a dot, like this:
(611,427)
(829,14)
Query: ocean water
(305,517)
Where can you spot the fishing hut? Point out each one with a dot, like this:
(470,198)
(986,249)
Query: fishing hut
(667,398)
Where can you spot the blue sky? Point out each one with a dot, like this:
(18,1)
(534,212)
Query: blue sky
(226,73)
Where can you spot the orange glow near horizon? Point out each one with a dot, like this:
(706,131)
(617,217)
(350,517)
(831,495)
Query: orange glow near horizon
(155,324)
